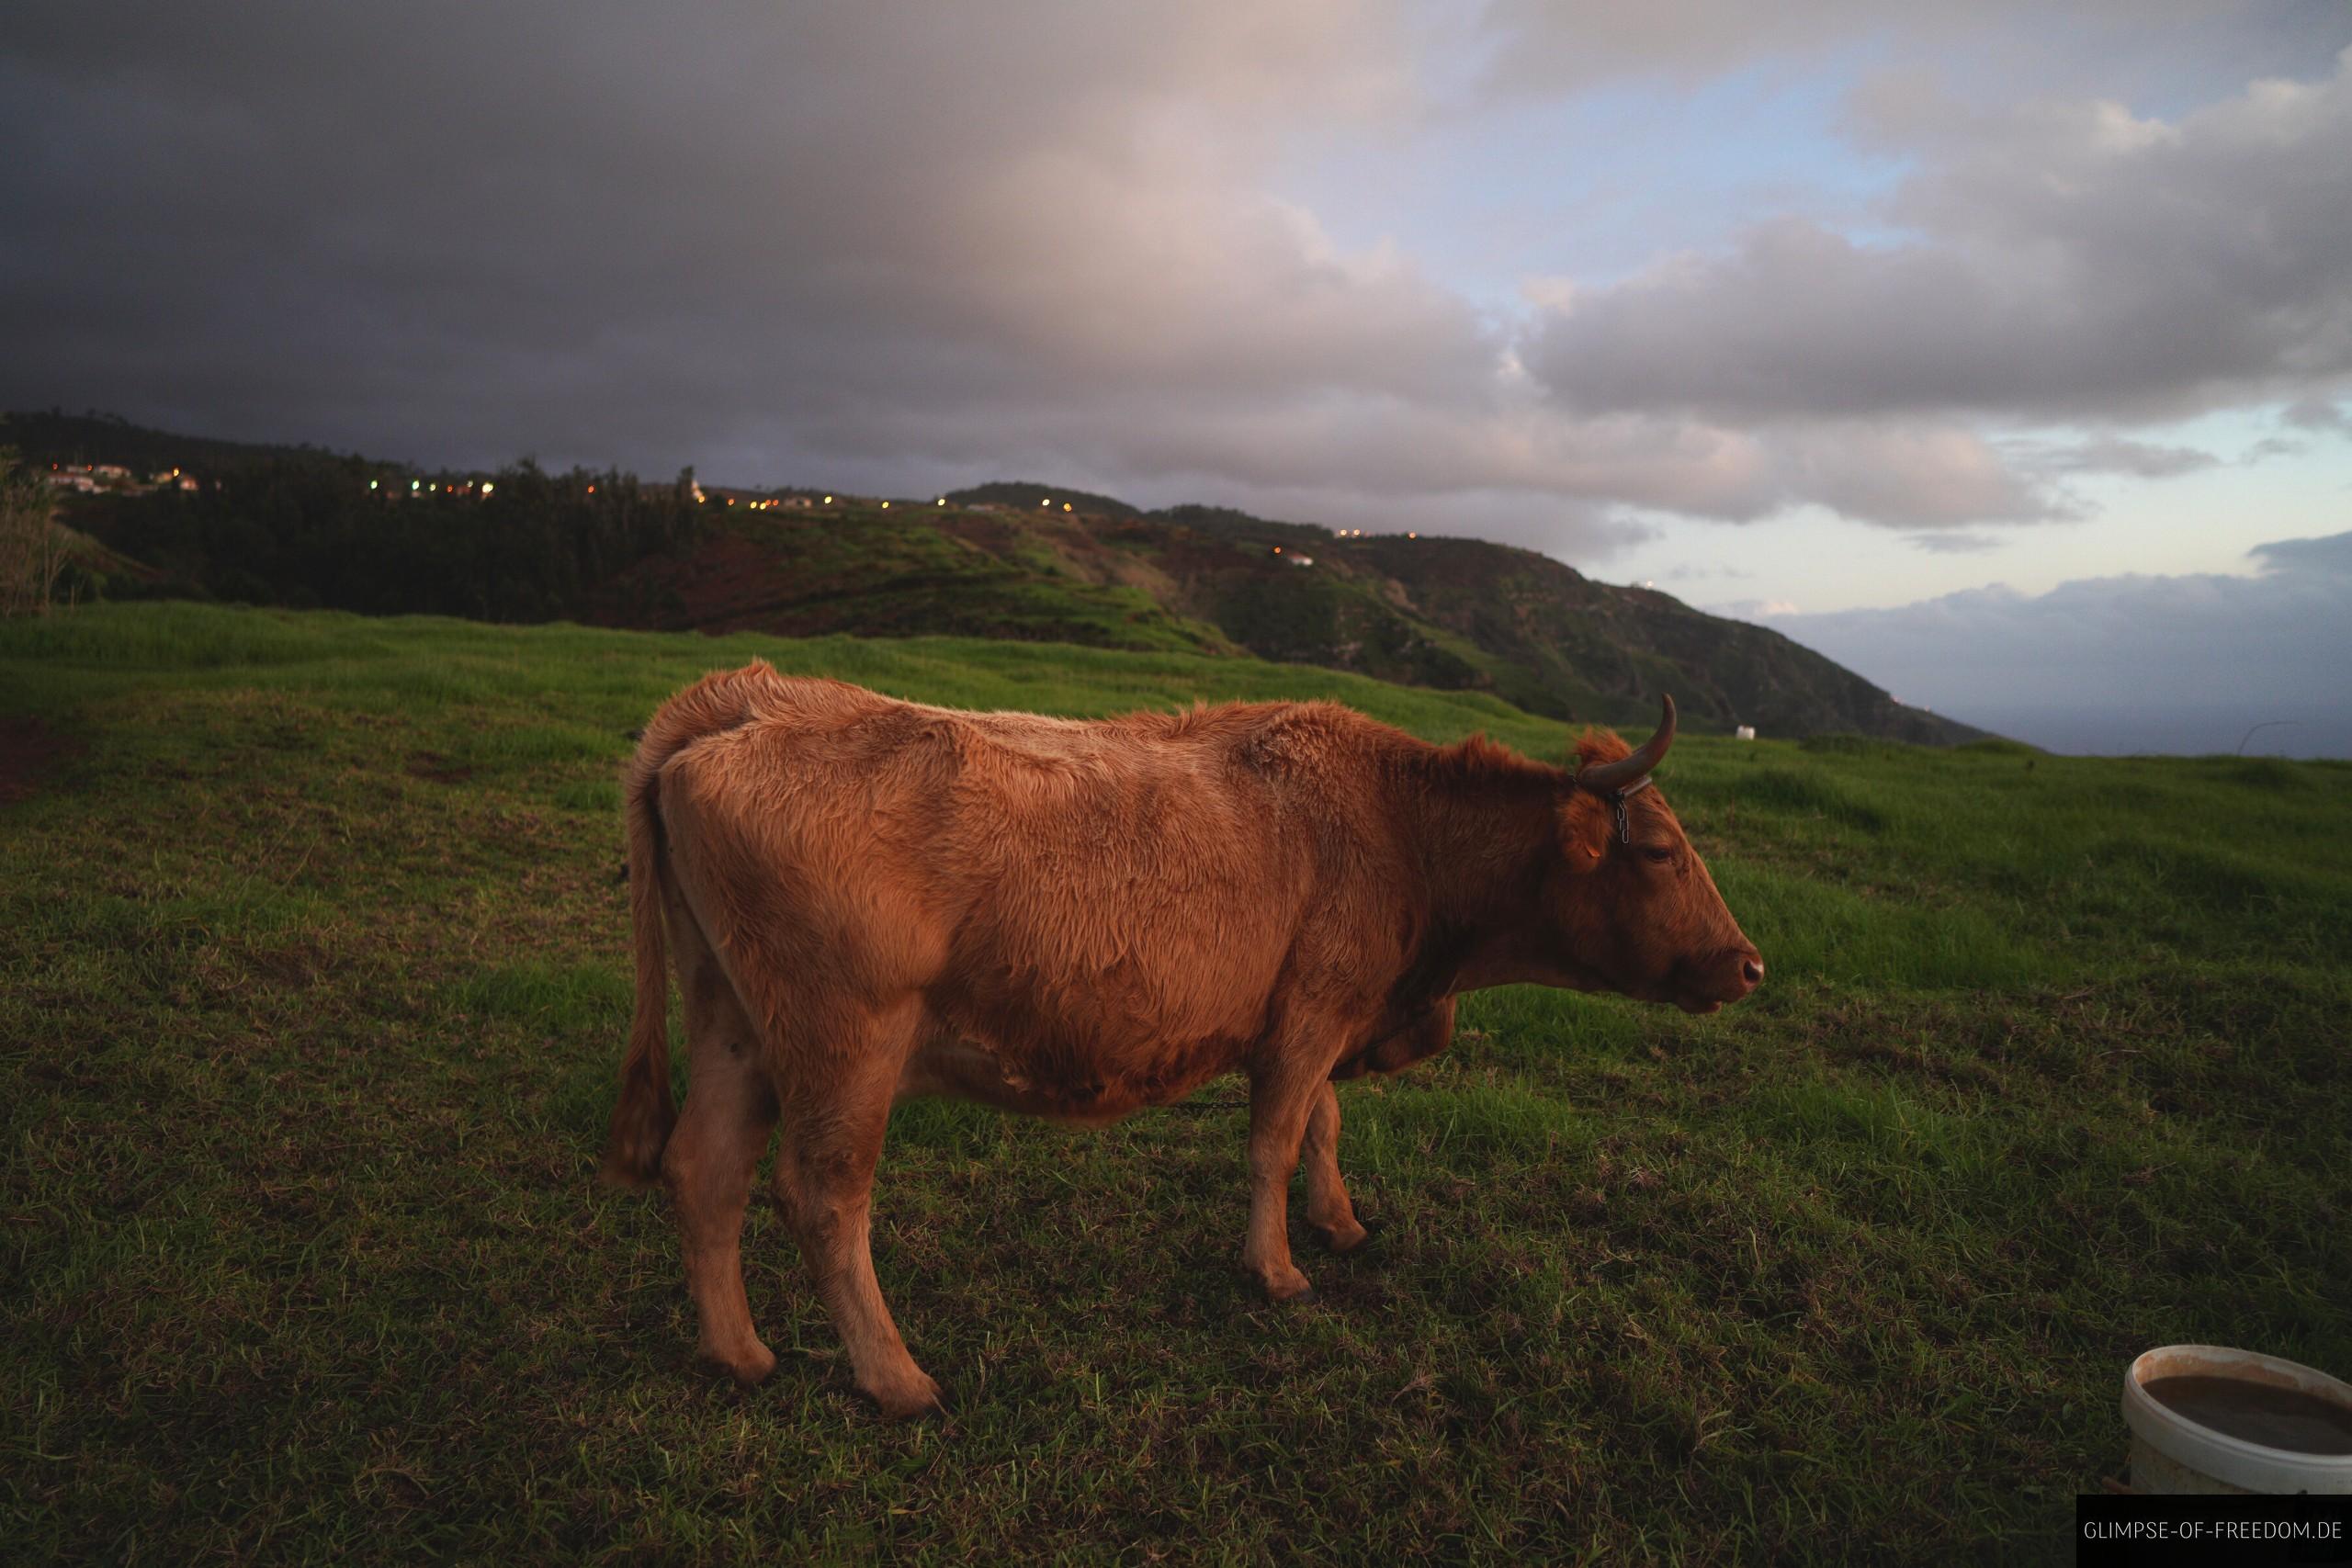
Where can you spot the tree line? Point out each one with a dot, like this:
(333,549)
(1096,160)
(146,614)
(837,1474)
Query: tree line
(342,533)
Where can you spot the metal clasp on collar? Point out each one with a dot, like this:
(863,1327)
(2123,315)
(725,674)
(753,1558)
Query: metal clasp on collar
(1617,808)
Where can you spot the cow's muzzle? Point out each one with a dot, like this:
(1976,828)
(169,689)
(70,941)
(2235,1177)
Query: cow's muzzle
(1727,977)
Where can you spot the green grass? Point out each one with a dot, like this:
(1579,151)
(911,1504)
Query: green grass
(887,573)
(313,985)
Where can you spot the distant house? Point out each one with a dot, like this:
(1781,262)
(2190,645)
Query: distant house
(1300,561)
(73,482)
(1745,732)
(110,471)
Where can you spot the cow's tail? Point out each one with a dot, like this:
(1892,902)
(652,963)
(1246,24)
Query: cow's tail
(647,1109)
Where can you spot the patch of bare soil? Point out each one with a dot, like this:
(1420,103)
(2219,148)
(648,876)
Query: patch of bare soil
(29,752)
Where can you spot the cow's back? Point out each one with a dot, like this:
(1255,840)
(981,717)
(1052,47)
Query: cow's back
(1108,907)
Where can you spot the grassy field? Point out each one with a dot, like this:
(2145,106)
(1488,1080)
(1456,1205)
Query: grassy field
(313,991)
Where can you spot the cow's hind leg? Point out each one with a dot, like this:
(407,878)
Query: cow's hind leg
(1280,1097)
(833,1124)
(713,1154)
(1328,1209)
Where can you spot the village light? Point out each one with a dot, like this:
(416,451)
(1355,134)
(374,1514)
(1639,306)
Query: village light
(1065,506)
(885,506)
(829,501)
(943,500)
(372,484)
(412,484)
(487,487)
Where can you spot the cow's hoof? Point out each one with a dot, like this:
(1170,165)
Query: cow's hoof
(1288,1287)
(1350,1240)
(748,1369)
(908,1398)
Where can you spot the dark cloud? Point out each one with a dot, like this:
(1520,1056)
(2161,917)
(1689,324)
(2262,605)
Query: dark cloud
(2318,412)
(1545,45)
(2271,446)
(2329,555)
(2126,663)
(2111,454)
(781,235)
(829,244)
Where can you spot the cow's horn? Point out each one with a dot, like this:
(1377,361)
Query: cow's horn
(1635,764)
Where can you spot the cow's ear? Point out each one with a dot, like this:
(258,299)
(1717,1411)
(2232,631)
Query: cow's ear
(1584,829)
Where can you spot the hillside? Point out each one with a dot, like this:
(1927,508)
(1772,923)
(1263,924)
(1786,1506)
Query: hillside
(317,987)
(1449,613)
(1019,561)
(51,435)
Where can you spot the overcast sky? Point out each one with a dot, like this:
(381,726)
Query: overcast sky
(1897,333)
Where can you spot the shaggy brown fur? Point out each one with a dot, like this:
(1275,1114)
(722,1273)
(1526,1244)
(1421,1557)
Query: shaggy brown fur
(868,899)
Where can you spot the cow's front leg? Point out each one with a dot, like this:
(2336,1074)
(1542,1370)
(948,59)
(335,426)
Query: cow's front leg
(1282,1096)
(1328,1209)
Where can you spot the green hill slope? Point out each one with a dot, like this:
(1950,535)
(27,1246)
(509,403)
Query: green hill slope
(1448,612)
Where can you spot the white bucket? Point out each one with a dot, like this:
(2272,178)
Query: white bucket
(2172,1453)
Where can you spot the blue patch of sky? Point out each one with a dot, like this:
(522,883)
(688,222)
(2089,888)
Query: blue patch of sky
(1596,185)
(2207,521)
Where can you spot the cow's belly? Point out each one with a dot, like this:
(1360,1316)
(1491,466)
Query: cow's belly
(1140,1024)
(1061,1081)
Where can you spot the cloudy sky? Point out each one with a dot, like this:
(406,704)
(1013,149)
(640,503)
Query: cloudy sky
(2007,358)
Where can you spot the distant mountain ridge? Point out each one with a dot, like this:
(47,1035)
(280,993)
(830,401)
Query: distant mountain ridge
(1457,614)
(1034,562)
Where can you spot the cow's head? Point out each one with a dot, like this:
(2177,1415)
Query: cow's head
(1638,911)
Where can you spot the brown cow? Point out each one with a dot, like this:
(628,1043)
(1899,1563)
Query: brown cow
(870,899)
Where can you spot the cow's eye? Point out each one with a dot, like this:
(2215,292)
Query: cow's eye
(1657,854)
